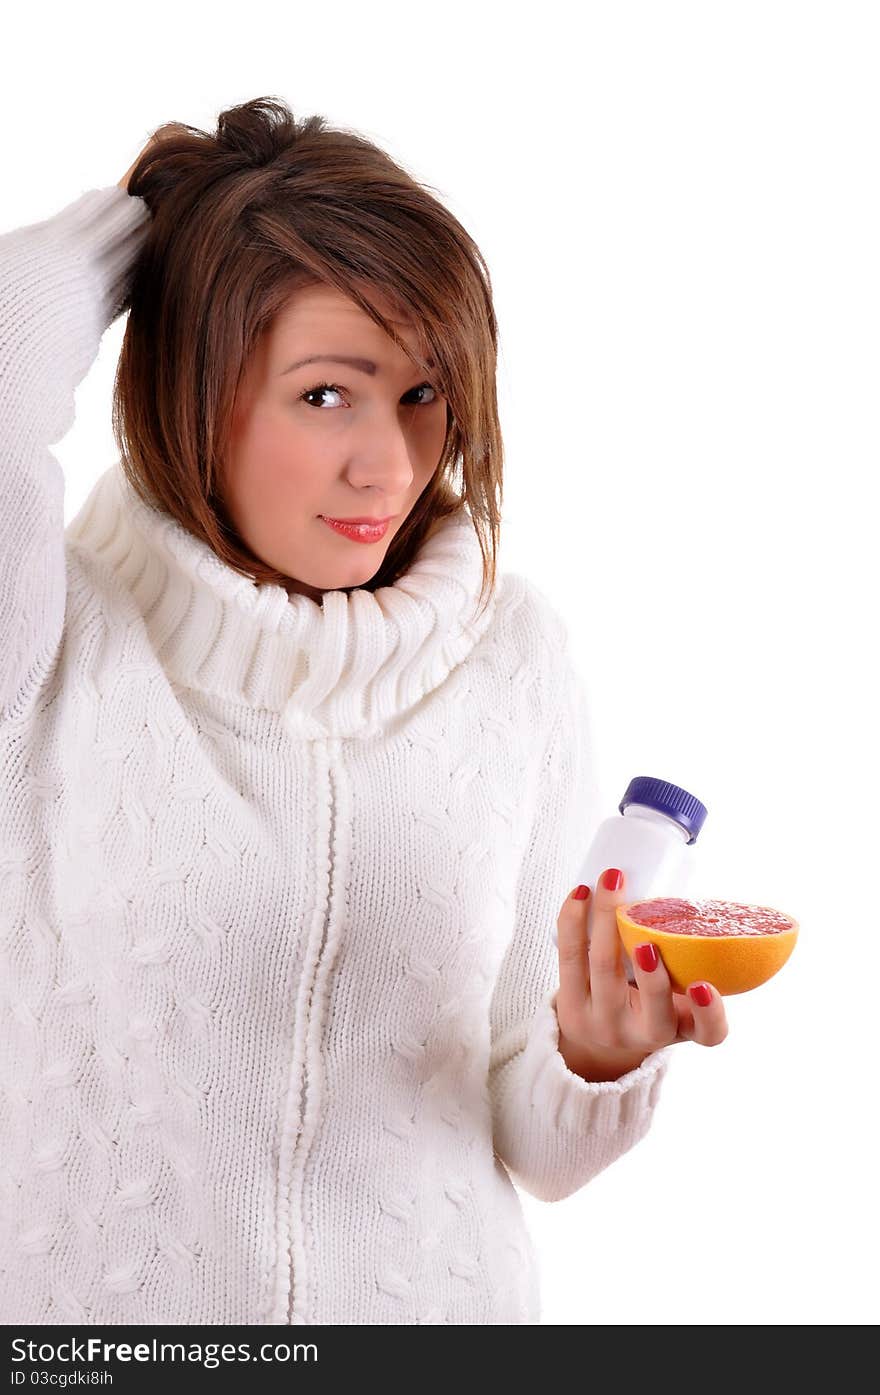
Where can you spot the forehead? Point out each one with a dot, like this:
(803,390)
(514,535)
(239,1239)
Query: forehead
(322,318)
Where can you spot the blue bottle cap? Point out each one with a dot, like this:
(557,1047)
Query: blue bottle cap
(667,799)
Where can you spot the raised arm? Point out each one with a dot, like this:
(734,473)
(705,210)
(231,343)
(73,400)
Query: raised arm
(63,281)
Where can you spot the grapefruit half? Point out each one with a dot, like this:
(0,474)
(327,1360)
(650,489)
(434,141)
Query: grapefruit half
(733,946)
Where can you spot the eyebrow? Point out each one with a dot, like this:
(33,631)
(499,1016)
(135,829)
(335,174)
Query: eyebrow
(364,365)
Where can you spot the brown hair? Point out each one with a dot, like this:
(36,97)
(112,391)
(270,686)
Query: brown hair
(240,220)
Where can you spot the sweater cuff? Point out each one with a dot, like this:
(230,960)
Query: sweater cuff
(109,225)
(103,230)
(555,1131)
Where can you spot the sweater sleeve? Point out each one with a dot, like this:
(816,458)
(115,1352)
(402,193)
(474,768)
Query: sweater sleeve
(62,283)
(553,1130)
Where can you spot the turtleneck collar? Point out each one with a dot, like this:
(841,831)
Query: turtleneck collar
(345,668)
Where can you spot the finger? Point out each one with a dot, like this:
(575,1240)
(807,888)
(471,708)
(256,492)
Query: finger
(658,1018)
(710,1019)
(573,962)
(607,980)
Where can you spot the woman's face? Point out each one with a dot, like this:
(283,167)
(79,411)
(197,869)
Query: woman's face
(367,447)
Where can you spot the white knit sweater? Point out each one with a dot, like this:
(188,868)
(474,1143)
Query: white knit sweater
(277,889)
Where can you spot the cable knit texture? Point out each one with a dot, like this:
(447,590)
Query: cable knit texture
(278,881)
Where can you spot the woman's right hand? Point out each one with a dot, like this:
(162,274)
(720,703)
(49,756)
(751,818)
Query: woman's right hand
(170,128)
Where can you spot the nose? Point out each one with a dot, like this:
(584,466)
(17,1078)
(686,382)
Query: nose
(384,460)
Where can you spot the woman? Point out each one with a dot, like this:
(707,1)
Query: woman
(287,809)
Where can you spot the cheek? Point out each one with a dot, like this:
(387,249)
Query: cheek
(435,437)
(273,466)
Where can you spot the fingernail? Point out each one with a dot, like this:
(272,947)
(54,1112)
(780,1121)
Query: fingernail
(612,879)
(580,893)
(700,994)
(647,957)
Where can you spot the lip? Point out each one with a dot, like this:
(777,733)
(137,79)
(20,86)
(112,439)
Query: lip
(363,531)
(373,522)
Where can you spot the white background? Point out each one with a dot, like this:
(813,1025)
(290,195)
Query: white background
(678,203)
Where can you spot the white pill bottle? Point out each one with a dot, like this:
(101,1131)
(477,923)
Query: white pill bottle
(651,839)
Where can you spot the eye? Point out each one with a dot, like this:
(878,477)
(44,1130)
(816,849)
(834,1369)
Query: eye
(315,391)
(332,387)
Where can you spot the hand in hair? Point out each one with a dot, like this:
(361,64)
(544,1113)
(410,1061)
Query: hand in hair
(170,128)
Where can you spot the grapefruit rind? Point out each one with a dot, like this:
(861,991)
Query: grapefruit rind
(731,963)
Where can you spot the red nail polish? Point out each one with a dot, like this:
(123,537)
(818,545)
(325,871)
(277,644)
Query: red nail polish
(647,957)
(700,994)
(580,893)
(612,879)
